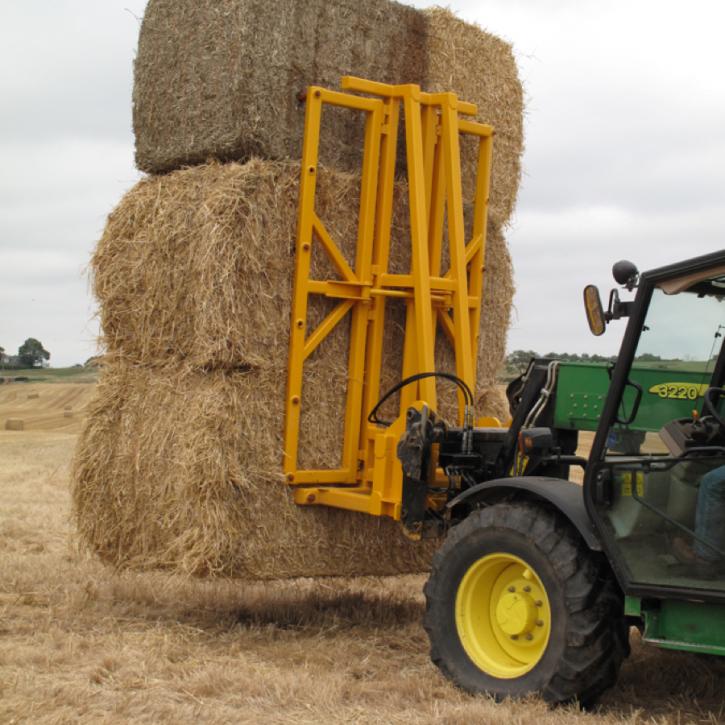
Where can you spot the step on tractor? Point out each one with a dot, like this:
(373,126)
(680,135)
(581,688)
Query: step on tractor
(537,579)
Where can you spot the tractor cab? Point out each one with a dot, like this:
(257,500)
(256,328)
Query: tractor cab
(655,483)
(537,578)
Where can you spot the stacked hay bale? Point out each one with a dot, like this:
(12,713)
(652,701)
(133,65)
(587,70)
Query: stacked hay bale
(179,465)
(224,80)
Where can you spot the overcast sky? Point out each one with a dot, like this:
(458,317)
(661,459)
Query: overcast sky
(625,153)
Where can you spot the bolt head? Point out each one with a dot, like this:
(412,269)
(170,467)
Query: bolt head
(512,588)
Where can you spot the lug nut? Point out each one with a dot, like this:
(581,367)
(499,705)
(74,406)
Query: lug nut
(529,636)
(514,636)
(539,603)
(512,589)
(527,588)
(539,623)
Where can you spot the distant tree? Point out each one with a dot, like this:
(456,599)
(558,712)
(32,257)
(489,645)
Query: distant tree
(519,359)
(32,353)
(3,356)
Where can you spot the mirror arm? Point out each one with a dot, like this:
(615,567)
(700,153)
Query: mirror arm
(616,308)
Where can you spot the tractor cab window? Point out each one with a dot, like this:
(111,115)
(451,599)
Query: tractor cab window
(673,366)
(662,482)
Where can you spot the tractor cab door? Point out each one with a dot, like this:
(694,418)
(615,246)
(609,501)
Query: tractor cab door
(655,486)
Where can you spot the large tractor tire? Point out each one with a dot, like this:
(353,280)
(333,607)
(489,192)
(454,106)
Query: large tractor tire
(517,603)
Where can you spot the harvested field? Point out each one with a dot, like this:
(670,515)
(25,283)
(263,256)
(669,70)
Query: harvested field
(42,406)
(82,644)
(223,80)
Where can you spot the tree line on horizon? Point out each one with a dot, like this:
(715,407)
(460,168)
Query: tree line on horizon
(31,354)
(518,360)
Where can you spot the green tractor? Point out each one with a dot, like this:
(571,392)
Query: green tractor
(540,579)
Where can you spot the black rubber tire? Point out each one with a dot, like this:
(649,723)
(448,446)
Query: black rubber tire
(589,634)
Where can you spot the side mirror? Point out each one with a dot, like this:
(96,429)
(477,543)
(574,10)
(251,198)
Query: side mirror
(594,310)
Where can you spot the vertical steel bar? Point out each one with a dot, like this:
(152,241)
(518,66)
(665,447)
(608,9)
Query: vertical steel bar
(363,271)
(450,139)
(436,212)
(480,222)
(419,244)
(409,394)
(381,256)
(429,128)
(303,255)
(436,217)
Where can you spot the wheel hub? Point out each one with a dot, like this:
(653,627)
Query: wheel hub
(516,613)
(503,616)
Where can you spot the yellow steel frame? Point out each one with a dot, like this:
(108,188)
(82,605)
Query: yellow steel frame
(370,477)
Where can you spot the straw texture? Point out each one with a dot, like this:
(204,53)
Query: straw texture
(222,80)
(179,465)
(481,68)
(180,470)
(196,266)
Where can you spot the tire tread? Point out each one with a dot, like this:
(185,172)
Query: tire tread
(596,634)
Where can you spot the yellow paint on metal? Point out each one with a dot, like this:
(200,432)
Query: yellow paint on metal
(503,615)
(489,421)
(369,477)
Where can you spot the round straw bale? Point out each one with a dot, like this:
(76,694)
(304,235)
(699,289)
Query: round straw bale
(33,395)
(14,424)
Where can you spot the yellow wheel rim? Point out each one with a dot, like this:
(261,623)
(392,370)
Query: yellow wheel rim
(503,615)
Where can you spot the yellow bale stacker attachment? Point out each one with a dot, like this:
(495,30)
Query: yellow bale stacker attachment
(370,477)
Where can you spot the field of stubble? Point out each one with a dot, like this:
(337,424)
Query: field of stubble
(80,643)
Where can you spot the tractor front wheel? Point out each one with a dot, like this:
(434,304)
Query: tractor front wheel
(517,603)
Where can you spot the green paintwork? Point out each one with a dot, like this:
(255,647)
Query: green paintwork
(667,394)
(687,626)
(632,607)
